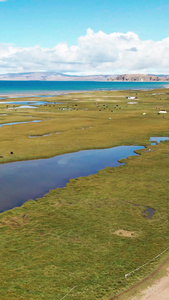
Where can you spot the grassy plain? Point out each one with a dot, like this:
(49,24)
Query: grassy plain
(67,241)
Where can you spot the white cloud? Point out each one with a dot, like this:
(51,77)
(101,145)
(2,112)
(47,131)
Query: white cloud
(94,53)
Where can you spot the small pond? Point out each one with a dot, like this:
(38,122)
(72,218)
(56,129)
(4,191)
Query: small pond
(21,181)
(148,212)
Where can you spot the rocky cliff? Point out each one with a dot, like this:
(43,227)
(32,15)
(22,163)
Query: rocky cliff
(139,77)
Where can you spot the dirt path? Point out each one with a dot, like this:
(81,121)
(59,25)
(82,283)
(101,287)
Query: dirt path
(159,284)
(158,291)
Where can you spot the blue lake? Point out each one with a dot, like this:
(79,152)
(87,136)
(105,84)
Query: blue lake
(21,181)
(30,87)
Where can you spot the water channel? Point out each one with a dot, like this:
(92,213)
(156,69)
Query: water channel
(16,123)
(30,102)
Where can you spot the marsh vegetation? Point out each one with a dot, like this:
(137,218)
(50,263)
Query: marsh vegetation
(86,236)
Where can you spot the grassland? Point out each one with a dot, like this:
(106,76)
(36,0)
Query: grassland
(68,241)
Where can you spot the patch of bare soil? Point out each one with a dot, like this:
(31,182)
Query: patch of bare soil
(158,284)
(100,99)
(158,291)
(125,233)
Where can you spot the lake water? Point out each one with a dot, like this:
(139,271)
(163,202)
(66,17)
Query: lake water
(54,87)
(21,181)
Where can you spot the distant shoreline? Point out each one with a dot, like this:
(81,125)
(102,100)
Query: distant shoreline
(58,77)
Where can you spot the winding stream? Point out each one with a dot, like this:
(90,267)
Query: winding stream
(16,123)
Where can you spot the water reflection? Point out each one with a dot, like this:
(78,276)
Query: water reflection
(20,181)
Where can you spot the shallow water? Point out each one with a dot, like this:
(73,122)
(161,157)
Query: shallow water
(34,136)
(23,107)
(41,135)
(149,212)
(159,139)
(20,181)
(28,102)
(15,123)
(47,96)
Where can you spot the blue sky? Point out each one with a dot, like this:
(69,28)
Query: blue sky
(47,22)
(26,23)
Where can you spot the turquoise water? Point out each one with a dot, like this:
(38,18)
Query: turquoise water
(16,87)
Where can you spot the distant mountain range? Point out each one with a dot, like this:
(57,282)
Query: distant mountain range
(55,76)
(52,76)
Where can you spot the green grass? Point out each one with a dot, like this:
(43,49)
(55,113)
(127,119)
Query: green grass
(67,239)
(82,129)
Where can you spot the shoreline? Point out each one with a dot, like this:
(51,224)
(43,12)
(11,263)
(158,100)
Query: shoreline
(20,89)
(6,96)
(42,94)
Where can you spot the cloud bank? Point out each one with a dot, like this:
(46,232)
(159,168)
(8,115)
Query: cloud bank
(94,53)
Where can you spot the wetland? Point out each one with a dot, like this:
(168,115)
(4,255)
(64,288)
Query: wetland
(66,238)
